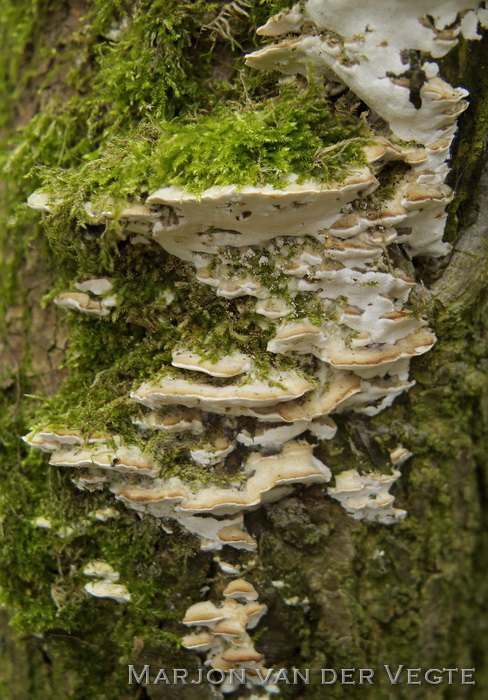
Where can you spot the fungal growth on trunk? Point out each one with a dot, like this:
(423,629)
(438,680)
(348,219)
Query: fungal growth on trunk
(226,641)
(318,307)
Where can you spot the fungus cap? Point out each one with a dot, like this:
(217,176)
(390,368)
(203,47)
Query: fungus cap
(105,589)
(239,588)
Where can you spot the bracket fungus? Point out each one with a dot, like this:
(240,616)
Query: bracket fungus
(222,633)
(105,585)
(106,589)
(325,271)
(366,496)
(99,303)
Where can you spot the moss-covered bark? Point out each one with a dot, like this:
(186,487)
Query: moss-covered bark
(354,594)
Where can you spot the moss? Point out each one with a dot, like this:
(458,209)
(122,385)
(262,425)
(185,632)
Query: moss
(466,66)
(83,105)
(389,176)
(364,604)
(20,30)
(42,581)
(309,306)
(262,143)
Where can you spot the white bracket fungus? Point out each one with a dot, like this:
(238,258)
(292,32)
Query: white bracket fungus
(268,479)
(332,250)
(102,570)
(366,496)
(106,585)
(364,48)
(99,287)
(226,366)
(105,589)
(222,632)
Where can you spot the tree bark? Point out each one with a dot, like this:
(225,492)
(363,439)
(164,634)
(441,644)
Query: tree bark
(353,594)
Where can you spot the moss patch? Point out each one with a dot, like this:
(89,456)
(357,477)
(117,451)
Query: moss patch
(135,84)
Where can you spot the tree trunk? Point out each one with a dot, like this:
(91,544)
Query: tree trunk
(98,96)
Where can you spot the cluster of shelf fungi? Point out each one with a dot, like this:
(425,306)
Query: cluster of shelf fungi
(328,243)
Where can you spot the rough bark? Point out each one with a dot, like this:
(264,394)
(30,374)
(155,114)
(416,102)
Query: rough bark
(356,595)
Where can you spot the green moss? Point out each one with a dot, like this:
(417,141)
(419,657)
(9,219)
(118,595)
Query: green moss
(311,307)
(467,65)
(42,581)
(109,358)
(389,176)
(84,105)
(20,31)
(131,113)
(255,145)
